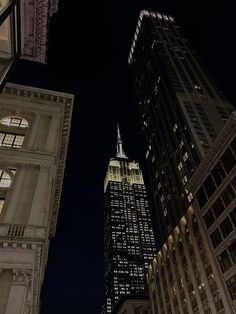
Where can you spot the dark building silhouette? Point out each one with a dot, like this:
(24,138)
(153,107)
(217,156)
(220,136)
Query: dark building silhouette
(129,240)
(190,151)
(181,111)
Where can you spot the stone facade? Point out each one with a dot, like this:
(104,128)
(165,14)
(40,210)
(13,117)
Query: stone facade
(133,305)
(34,133)
(23,32)
(194,271)
(34,28)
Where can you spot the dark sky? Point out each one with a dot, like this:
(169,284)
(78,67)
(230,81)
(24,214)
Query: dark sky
(87,56)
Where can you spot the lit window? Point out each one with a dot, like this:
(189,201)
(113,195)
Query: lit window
(190,197)
(11,140)
(165,212)
(14,121)
(185,157)
(175,127)
(184,180)
(5,179)
(180,166)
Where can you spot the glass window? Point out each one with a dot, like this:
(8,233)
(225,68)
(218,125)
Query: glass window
(218,207)
(209,186)
(226,227)
(231,284)
(228,195)
(5,179)
(218,302)
(11,140)
(234,182)
(201,197)
(14,121)
(233,216)
(209,218)
(216,238)
(233,145)
(232,250)
(224,260)
(218,173)
(228,160)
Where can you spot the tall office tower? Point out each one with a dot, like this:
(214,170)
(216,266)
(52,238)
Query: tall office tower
(34,133)
(23,32)
(129,241)
(180,108)
(194,271)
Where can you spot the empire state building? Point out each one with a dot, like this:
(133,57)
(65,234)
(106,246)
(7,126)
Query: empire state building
(129,239)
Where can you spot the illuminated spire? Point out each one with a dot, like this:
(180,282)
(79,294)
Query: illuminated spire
(119,147)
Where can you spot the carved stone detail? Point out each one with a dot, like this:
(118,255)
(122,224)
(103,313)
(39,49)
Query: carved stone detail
(22,277)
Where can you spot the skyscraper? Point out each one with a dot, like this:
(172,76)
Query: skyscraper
(180,107)
(191,158)
(129,241)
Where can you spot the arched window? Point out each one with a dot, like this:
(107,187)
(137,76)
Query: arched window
(5,179)
(14,121)
(13,131)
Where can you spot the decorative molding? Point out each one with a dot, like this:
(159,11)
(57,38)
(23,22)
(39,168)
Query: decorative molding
(37,95)
(35,32)
(22,277)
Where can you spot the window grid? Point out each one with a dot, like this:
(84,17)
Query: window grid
(15,122)
(5,179)
(11,140)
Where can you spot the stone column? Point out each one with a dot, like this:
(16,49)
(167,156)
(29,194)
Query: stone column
(51,139)
(15,193)
(40,196)
(35,128)
(17,301)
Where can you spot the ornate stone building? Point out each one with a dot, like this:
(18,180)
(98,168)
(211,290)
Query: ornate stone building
(34,133)
(24,31)
(194,271)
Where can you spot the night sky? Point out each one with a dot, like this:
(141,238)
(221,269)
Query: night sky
(87,56)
